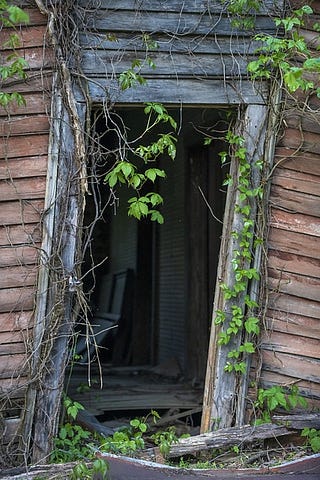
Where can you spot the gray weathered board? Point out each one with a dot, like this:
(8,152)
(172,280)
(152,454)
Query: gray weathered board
(201,58)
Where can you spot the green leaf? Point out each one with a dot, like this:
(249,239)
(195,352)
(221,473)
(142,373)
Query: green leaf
(17,15)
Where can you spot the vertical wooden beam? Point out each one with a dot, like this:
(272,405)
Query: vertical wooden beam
(221,388)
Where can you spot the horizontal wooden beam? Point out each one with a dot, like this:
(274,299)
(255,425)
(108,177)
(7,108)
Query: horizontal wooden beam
(190,91)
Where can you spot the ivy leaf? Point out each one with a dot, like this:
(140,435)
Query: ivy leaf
(157,217)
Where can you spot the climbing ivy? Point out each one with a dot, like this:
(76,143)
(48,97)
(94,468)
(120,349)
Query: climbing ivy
(241,317)
(15,65)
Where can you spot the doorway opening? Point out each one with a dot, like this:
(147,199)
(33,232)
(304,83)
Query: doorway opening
(157,280)
(171,267)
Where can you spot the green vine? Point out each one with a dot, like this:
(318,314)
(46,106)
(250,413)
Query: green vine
(242,259)
(15,65)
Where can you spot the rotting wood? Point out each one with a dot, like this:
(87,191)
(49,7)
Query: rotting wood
(297,285)
(290,262)
(278,321)
(291,365)
(295,222)
(220,398)
(294,242)
(298,181)
(293,344)
(226,437)
(295,202)
(292,159)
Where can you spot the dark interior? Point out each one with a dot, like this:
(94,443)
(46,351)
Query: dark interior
(154,284)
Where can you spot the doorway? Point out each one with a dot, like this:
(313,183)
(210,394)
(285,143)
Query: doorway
(172,266)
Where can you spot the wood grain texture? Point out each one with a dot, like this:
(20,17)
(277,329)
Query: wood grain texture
(295,139)
(16,213)
(23,167)
(293,284)
(17,299)
(13,365)
(290,303)
(300,161)
(297,181)
(293,344)
(24,146)
(290,262)
(18,276)
(15,321)
(295,201)
(294,242)
(24,124)
(34,36)
(294,222)
(292,324)
(294,366)
(36,103)
(13,235)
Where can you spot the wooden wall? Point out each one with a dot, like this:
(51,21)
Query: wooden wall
(24,142)
(291,345)
(199,57)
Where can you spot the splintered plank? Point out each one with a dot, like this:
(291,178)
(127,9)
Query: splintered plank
(13,235)
(18,276)
(297,285)
(16,321)
(293,366)
(293,344)
(21,255)
(295,222)
(21,146)
(293,242)
(13,213)
(289,303)
(299,161)
(293,324)
(17,299)
(294,202)
(290,262)
(297,181)
(22,189)
(31,166)
(24,125)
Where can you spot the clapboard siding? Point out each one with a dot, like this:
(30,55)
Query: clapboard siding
(196,47)
(291,344)
(24,132)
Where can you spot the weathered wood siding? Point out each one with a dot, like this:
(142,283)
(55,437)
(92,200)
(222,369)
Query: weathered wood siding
(24,142)
(291,344)
(198,51)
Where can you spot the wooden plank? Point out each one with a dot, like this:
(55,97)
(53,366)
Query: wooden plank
(289,303)
(293,366)
(189,44)
(12,348)
(18,276)
(294,222)
(13,321)
(293,344)
(21,146)
(14,387)
(292,323)
(31,166)
(295,139)
(301,121)
(188,6)
(290,262)
(294,202)
(172,22)
(22,189)
(29,37)
(102,62)
(293,242)
(20,255)
(307,389)
(10,429)
(20,234)
(16,299)
(13,365)
(35,103)
(12,213)
(36,57)
(34,83)
(300,182)
(188,91)
(297,285)
(300,161)
(24,125)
